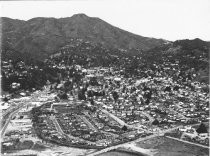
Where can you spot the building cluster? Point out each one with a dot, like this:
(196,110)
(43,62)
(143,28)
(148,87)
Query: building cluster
(17,125)
(106,105)
(98,106)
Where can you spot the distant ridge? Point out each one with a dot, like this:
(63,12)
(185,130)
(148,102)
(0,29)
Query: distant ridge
(39,37)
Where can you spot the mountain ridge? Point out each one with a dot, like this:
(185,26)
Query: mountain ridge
(42,36)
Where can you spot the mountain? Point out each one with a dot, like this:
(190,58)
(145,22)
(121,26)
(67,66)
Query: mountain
(39,37)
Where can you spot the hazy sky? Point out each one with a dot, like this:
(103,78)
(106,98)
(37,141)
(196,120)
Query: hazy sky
(167,19)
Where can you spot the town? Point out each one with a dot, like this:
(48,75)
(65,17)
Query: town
(99,107)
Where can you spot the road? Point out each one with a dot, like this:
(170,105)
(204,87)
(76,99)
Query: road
(121,122)
(6,114)
(88,123)
(9,119)
(161,133)
(57,126)
(192,143)
(20,104)
(8,111)
(59,130)
(109,133)
(117,146)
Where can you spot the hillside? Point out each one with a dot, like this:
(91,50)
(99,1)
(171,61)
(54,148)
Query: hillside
(182,60)
(39,37)
(192,56)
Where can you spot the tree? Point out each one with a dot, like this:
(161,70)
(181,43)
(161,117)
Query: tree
(155,122)
(90,93)
(5,99)
(202,128)
(124,128)
(167,89)
(176,88)
(62,95)
(115,95)
(91,101)
(81,95)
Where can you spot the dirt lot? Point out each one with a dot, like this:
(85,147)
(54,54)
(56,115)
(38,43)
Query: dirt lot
(169,147)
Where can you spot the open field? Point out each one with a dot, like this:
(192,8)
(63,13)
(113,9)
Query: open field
(169,147)
(118,153)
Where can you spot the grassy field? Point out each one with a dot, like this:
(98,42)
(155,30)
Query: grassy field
(169,147)
(25,145)
(38,147)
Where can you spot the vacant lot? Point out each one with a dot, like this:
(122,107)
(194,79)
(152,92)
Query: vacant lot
(169,147)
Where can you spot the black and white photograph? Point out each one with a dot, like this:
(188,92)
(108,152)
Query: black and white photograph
(104,77)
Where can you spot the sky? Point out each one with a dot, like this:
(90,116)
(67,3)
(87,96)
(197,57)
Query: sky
(166,19)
